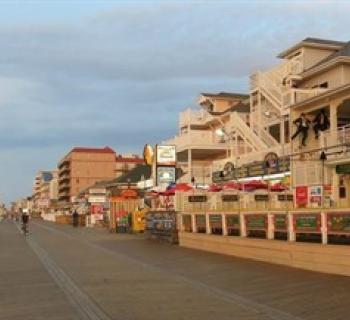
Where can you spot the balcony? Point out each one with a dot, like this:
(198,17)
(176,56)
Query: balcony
(195,117)
(198,140)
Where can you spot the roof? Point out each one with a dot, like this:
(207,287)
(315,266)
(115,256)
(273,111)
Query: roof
(343,52)
(129,159)
(226,95)
(93,150)
(314,42)
(135,175)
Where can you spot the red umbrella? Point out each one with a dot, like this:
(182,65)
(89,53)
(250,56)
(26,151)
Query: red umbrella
(231,186)
(182,187)
(214,188)
(278,187)
(254,184)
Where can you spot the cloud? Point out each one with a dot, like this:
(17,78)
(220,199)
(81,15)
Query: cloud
(121,76)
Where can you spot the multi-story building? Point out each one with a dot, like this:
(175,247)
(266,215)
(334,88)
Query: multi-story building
(198,144)
(41,192)
(125,163)
(81,168)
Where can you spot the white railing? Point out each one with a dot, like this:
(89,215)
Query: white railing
(299,94)
(191,116)
(339,137)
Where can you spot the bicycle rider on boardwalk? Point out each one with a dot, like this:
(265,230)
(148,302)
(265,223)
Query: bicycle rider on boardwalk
(25,221)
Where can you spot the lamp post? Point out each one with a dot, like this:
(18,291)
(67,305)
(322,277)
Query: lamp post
(323,158)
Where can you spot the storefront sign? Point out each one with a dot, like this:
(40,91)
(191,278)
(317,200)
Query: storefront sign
(338,222)
(197,198)
(281,222)
(232,221)
(229,197)
(148,154)
(261,197)
(215,220)
(96,209)
(166,175)
(97,199)
(271,160)
(301,195)
(166,155)
(256,222)
(285,197)
(315,194)
(307,222)
(343,168)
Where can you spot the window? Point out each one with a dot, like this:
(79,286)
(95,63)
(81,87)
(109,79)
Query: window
(324,85)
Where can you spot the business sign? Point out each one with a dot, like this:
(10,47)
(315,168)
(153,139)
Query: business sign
(338,223)
(197,198)
(200,221)
(215,220)
(232,221)
(166,155)
(271,160)
(229,198)
(285,197)
(256,221)
(166,175)
(342,168)
(280,222)
(96,209)
(301,195)
(315,194)
(97,199)
(261,197)
(307,222)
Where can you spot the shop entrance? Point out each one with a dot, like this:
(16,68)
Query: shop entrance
(344,190)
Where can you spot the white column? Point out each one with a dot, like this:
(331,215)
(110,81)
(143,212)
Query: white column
(242,225)
(291,232)
(193,222)
(224,225)
(270,227)
(324,227)
(207,224)
(335,187)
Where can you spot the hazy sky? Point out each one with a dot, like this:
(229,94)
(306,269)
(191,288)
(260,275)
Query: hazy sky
(117,73)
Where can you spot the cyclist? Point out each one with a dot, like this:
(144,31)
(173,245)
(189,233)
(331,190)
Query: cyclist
(25,221)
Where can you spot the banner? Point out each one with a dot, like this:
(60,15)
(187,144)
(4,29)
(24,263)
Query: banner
(301,195)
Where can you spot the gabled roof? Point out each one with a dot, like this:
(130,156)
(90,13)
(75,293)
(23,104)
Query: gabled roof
(313,42)
(231,95)
(93,150)
(343,52)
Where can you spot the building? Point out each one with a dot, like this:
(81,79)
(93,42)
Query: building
(41,189)
(125,163)
(198,144)
(83,167)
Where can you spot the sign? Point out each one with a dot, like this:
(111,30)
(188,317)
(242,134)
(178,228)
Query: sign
(285,197)
(256,222)
(280,222)
(315,194)
(166,175)
(97,199)
(98,191)
(148,154)
(166,155)
(232,221)
(307,222)
(215,220)
(229,197)
(338,222)
(197,198)
(301,195)
(261,197)
(342,168)
(96,209)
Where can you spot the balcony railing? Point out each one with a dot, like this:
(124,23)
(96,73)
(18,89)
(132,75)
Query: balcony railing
(195,117)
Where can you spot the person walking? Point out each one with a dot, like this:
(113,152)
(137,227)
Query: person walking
(75,217)
(321,122)
(25,222)
(303,124)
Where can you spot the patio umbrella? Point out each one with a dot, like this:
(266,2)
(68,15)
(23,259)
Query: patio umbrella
(254,185)
(231,186)
(214,188)
(278,187)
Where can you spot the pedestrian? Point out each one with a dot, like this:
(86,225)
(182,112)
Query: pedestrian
(303,124)
(25,221)
(75,217)
(321,122)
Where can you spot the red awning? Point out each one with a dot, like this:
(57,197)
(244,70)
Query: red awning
(254,185)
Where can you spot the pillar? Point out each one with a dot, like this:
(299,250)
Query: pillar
(270,227)
(224,225)
(193,222)
(335,186)
(242,225)
(291,232)
(324,228)
(207,224)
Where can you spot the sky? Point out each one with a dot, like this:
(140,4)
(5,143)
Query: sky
(117,73)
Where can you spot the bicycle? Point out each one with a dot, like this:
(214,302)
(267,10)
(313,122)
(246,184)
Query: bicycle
(25,229)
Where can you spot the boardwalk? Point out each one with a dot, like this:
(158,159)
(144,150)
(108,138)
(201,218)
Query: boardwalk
(61,273)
